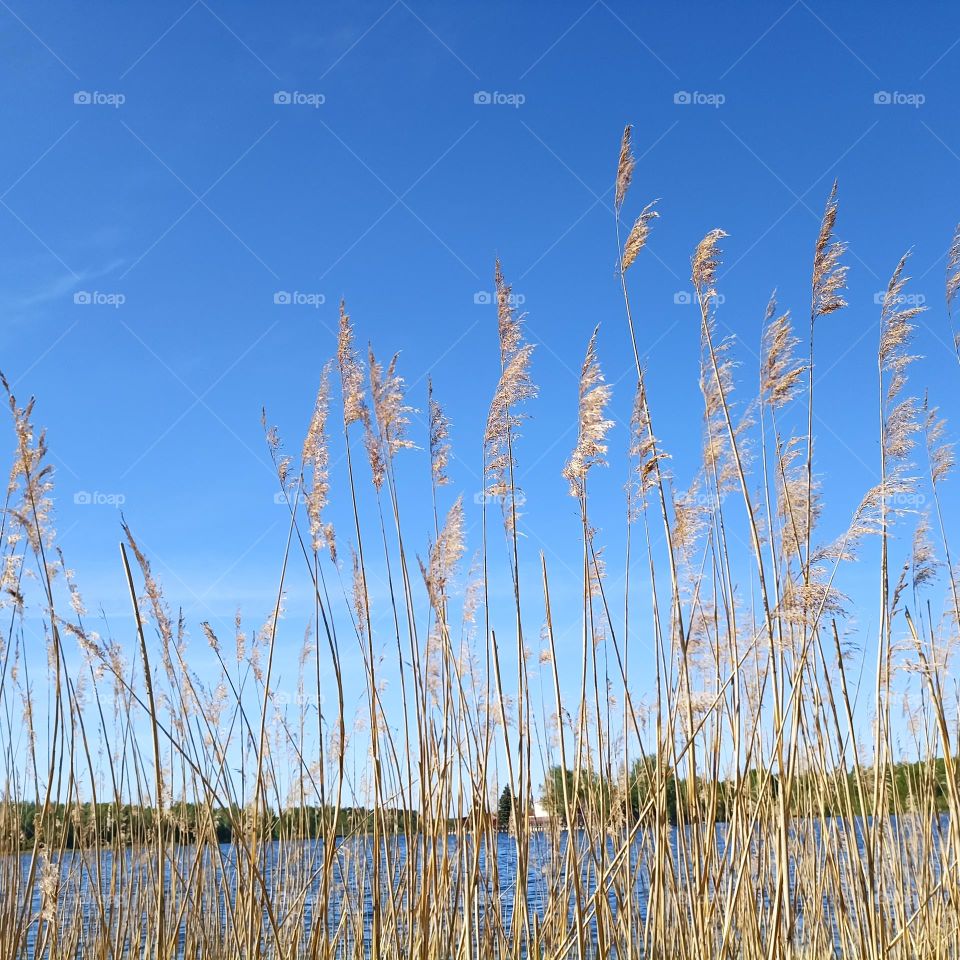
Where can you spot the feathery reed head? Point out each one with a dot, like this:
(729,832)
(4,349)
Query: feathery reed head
(508,323)
(923,556)
(439,429)
(901,416)
(644,452)
(624,169)
(780,371)
(316,460)
(504,416)
(389,408)
(953,272)
(896,328)
(503,419)
(688,519)
(639,233)
(445,554)
(706,259)
(796,500)
(939,451)
(30,474)
(829,275)
(594,395)
(359,594)
(351,372)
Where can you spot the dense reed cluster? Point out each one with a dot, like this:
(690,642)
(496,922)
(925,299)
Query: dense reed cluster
(772,793)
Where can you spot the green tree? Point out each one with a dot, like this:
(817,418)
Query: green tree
(553,792)
(505,809)
(585,790)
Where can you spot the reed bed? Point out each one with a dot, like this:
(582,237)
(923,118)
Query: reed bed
(772,793)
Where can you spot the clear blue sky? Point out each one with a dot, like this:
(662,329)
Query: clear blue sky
(198,198)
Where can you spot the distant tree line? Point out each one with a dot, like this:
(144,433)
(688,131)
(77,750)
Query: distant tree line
(910,786)
(109,824)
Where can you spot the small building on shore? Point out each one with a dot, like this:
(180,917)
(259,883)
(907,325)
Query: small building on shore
(539,817)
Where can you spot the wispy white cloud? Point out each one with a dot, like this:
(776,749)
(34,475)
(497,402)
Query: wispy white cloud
(57,288)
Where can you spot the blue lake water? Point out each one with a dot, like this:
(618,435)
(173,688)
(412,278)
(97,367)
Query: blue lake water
(290,877)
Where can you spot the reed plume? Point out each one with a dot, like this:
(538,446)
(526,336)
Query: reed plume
(439,443)
(953,283)
(624,169)
(896,330)
(638,236)
(389,408)
(781,372)
(504,416)
(316,462)
(445,554)
(351,373)
(592,426)
(829,274)
(643,451)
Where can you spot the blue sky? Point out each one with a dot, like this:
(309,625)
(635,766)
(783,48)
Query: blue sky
(180,199)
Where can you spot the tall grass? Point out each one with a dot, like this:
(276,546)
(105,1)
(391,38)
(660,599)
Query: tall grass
(754,801)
